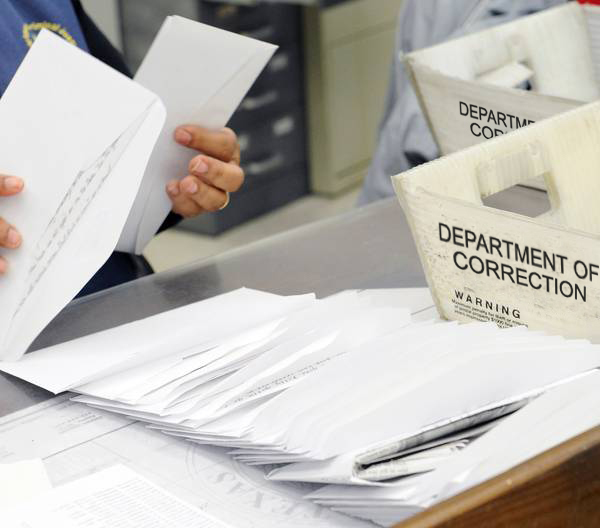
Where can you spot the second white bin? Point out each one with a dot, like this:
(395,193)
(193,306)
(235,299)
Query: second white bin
(469,87)
(488,264)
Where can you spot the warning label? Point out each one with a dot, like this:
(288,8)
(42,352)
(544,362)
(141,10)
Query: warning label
(468,306)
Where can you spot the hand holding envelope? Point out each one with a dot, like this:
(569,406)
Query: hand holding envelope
(94,132)
(212,175)
(81,179)
(213,71)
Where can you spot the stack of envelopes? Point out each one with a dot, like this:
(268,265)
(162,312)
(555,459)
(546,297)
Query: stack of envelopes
(348,390)
(562,413)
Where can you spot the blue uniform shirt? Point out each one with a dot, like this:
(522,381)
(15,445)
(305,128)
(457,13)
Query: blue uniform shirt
(22,20)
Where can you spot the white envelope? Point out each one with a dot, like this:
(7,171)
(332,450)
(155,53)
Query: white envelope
(75,202)
(201,74)
(66,365)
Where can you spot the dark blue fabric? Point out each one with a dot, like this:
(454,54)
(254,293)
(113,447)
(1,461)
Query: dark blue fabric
(119,268)
(22,20)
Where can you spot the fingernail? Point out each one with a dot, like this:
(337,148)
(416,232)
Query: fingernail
(13,238)
(173,189)
(3,266)
(183,136)
(12,184)
(199,166)
(189,186)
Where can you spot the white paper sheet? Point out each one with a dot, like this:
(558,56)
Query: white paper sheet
(84,443)
(80,134)
(53,426)
(20,481)
(114,497)
(201,74)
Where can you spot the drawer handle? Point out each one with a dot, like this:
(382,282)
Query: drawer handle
(284,126)
(253,103)
(244,142)
(262,33)
(280,62)
(256,168)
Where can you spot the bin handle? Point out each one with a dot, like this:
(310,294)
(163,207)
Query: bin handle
(516,168)
(512,73)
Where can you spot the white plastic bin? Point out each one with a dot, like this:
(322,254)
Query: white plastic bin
(469,87)
(488,264)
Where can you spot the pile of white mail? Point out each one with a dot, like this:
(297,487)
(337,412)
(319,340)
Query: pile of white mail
(393,413)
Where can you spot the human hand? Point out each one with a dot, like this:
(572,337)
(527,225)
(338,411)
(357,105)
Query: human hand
(212,175)
(9,236)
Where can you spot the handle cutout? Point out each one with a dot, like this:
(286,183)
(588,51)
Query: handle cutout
(516,73)
(521,200)
(511,75)
(501,181)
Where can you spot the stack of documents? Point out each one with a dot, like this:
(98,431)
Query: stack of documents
(93,131)
(347,390)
